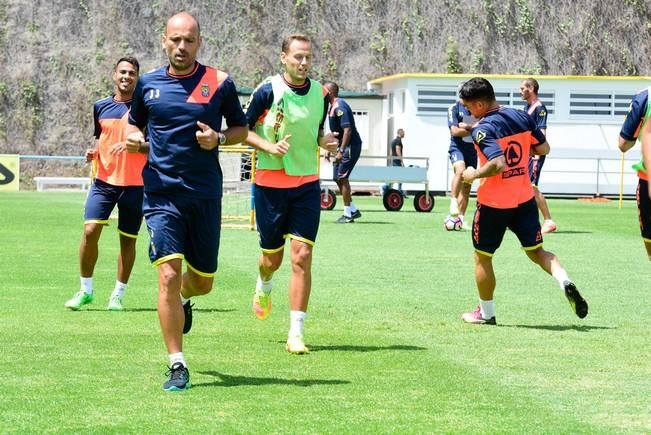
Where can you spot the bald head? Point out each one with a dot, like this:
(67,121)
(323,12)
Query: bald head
(181,41)
(185,20)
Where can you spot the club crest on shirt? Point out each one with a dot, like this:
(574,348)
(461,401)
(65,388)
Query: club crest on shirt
(205,90)
(480,136)
(340,113)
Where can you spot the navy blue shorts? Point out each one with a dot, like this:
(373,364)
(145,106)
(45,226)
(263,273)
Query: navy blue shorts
(349,158)
(490,224)
(102,199)
(466,153)
(185,228)
(282,213)
(535,167)
(644,209)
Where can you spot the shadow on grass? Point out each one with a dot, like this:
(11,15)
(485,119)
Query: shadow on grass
(153,310)
(569,232)
(580,328)
(357,348)
(126,310)
(360,222)
(236,381)
(213,310)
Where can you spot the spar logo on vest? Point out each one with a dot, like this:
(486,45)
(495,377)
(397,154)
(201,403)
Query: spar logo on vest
(513,157)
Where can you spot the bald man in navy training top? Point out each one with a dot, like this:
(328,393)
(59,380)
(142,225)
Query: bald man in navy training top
(182,105)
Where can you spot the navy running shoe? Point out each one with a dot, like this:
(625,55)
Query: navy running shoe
(578,304)
(187,311)
(179,378)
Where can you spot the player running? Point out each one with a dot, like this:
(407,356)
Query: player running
(537,110)
(504,138)
(182,105)
(286,114)
(118,181)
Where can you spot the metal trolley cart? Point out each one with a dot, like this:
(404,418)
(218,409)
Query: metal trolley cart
(391,198)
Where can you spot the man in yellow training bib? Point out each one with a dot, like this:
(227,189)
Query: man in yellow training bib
(286,113)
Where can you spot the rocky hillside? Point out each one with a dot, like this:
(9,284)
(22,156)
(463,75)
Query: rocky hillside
(58,55)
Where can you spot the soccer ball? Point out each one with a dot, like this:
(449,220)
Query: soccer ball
(452,223)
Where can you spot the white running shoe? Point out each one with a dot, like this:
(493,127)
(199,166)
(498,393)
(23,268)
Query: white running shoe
(296,346)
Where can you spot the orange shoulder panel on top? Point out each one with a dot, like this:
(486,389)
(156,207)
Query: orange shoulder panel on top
(263,116)
(207,86)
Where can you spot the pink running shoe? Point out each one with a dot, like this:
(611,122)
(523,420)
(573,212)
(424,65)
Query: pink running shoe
(475,317)
(548,227)
(261,305)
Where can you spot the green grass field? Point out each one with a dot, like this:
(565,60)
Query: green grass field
(389,352)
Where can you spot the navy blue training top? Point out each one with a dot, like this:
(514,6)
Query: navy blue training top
(635,116)
(340,117)
(170,106)
(457,113)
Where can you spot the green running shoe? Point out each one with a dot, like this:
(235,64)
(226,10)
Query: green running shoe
(115,303)
(80,299)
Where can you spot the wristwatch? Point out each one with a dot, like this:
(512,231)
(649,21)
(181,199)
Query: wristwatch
(221,138)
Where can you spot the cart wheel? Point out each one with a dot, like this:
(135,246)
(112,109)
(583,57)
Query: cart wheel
(328,199)
(423,203)
(392,200)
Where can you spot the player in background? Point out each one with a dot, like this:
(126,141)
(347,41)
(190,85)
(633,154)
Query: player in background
(286,114)
(182,105)
(342,123)
(397,152)
(636,124)
(462,155)
(504,137)
(118,181)
(537,110)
